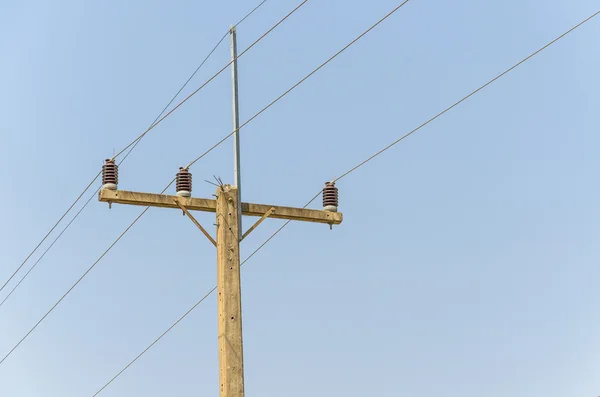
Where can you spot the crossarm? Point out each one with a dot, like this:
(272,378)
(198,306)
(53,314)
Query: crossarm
(210,205)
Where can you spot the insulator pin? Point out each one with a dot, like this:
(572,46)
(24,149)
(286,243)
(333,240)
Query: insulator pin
(183,182)
(110,175)
(330,197)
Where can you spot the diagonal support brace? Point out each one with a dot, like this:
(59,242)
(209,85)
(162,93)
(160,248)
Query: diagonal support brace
(203,230)
(258,222)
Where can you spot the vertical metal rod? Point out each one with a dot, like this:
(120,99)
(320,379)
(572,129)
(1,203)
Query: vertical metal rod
(237,174)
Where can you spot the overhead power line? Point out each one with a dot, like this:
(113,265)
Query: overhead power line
(285,224)
(49,232)
(131,147)
(516,65)
(137,140)
(189,311)
(342,176)
(46,251)
(155,341)
(146,209)
(302,80)
(212,78)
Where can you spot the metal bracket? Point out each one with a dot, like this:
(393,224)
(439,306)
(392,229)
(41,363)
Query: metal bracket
(203,230)
(258,222)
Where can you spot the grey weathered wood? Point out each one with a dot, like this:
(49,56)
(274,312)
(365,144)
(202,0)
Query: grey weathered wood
(209,205)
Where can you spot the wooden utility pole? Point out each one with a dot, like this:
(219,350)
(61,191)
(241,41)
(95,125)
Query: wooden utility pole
(231,364)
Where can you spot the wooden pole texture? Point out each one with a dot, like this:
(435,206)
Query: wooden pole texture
(231,361)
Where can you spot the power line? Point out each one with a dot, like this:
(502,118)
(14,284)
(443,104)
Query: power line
(146,209)
(248,121)
(189,311)
(49,232)
(287,222)
(446,110)
(131,148)
(72,287)
(467,96)
(343,175)
(155,341)
(46,251)
(244,124)
(82,277)
(213,77)
(137,140)
(302,80)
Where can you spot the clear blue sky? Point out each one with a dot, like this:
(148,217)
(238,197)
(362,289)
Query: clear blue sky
(467,263)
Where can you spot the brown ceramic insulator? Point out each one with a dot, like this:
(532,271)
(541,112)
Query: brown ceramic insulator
(330,195)
(183,180)
(110,172)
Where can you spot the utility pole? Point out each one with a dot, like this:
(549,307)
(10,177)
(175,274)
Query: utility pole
(231,366)
(229,234)
(229,209)
(229,295)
